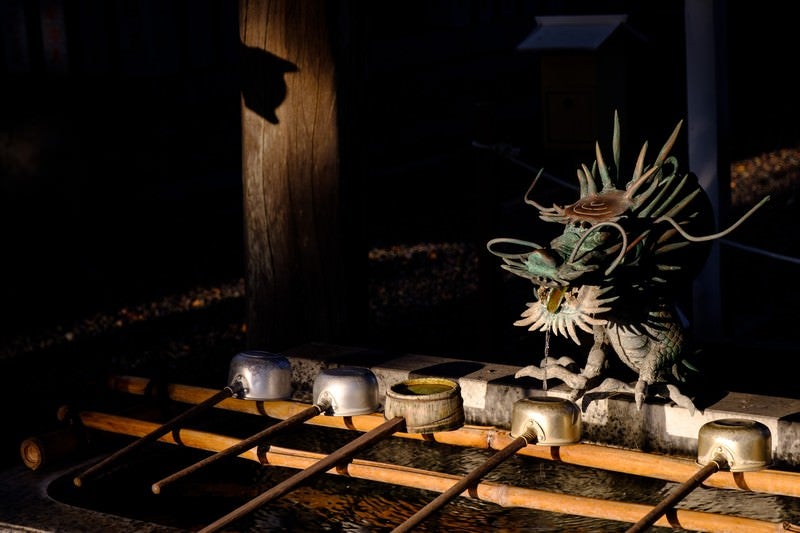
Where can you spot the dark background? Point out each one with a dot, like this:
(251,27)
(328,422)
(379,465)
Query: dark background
(120,152)
(120,182)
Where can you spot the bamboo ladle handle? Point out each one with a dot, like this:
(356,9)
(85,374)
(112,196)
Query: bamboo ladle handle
(329,461)
(159,432)
(465,483)
(240,446)
(677,494)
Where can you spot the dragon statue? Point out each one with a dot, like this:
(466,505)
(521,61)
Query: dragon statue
(613,274)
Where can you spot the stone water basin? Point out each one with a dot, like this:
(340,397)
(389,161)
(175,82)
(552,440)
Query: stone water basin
(340,503)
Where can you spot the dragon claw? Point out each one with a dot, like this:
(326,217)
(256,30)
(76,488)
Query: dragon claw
(640,393)
(551,370)
(680,399)
(609,387)
(563,361)
(532,371)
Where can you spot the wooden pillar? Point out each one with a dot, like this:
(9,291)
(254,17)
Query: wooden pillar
(296,276)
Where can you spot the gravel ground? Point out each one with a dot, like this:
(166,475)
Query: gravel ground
(412,283)
(776,173)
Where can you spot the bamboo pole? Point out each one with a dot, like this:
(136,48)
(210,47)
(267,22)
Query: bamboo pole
(626,461)
(206,403)
(674,496)
(500,494)
(239,447)
(325,463)
(53,446)
(463,484)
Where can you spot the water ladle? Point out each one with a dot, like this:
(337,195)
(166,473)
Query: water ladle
(252,375)
(422,405)
(341,391)
(545,421)
(736,445)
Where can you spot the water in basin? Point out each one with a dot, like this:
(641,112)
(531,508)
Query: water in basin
(342,504)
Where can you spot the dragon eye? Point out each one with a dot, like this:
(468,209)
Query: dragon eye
(542,257)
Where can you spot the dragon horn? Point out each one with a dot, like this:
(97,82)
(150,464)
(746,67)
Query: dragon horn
(683,203)
(601,165)
(591,186)
(671,198)
(656,202)
(615,143)
(637,171)
(582,182)
(638,183)
(668,145)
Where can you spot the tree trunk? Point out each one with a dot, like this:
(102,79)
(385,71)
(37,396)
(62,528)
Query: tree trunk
(299,286)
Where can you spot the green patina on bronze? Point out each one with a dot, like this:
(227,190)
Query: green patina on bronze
(627,250)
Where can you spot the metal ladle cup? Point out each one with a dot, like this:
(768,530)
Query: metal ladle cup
(341,391)
(264,376)
(732,444)
(543,421)
(253,375)
(395,421)
(346,391)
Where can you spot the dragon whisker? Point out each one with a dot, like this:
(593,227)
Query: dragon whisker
(506,240)
(527,194)
(595,228)
(714,235)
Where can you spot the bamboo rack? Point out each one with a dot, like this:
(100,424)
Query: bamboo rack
(500,494)
(625,461)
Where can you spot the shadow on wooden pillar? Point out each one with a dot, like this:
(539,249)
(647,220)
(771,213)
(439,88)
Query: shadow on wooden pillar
(300,287)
